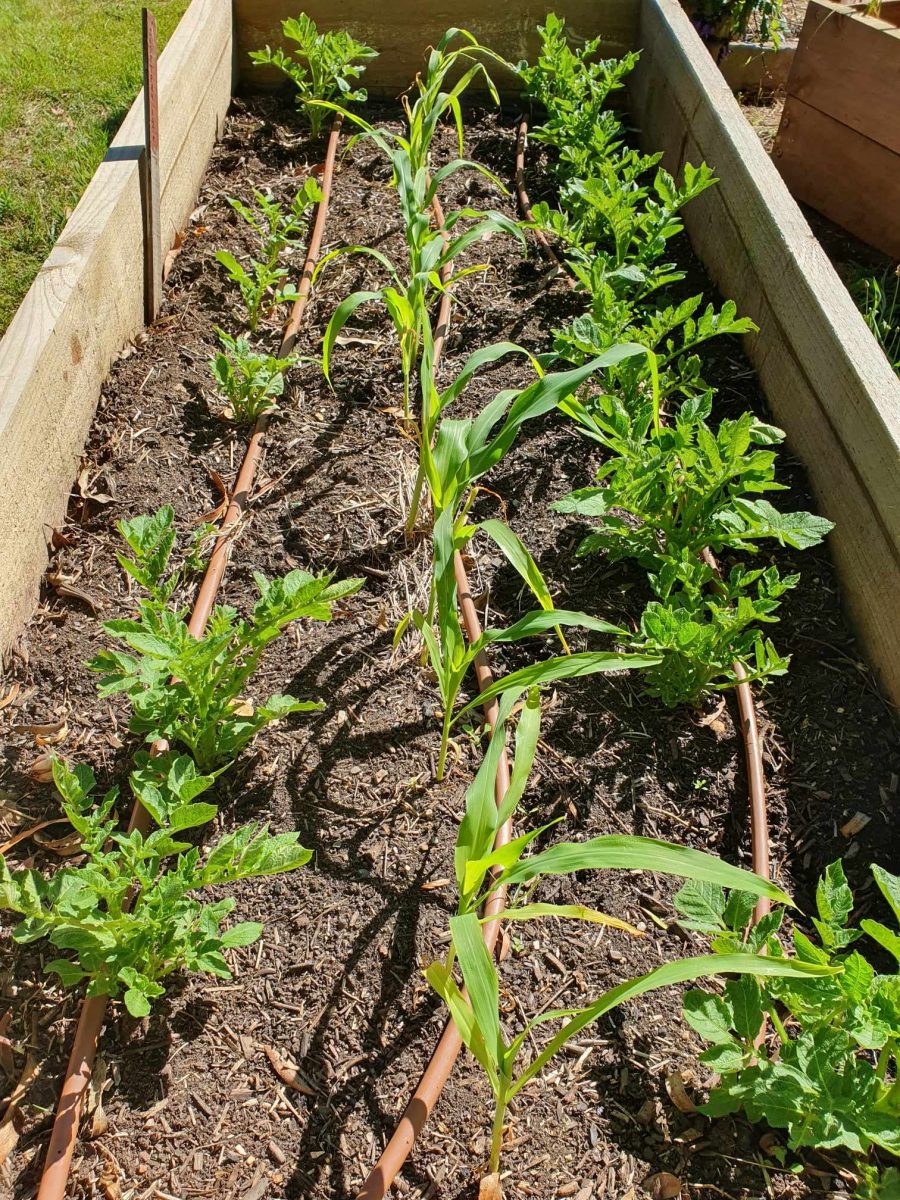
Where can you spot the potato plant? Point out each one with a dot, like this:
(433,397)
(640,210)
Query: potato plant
(191,690)
(829,1074)
(263,283)
(249,382)
(674,484)
(129,914)
(322,66)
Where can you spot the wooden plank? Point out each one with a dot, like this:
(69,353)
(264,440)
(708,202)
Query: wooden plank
(848,178)
(824,376)
(848,66)
(87,300)
(153,256)
(403,30)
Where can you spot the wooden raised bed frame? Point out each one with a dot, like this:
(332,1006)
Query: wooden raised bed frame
(825,378)
(838,144)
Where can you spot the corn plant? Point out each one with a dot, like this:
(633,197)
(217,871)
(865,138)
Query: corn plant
(191,690)
(482,870)
(249,382)
(129,915)
(463,451)
(263,282)
(430,252)
(322,66)
(829,1075)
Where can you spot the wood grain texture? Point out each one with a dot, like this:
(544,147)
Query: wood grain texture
(824,376)
(87,300)
(843,175)
(847,66)
(401,31)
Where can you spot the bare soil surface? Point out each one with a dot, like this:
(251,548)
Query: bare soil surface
(193,1104)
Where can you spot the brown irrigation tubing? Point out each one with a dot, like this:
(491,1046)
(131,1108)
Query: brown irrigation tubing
(446,1052)
(84,1048)
(525,203)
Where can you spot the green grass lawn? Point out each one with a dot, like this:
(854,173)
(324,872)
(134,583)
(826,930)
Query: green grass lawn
(69,70)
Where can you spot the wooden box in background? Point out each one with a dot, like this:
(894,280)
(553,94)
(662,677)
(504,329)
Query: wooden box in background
(838,145)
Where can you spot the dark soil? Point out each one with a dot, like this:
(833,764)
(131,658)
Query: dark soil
(194,1106)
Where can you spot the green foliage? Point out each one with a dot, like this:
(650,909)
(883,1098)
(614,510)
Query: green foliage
(671,488)
(262,283)
(722,21)
(431,253)
(878,298)
(827,1080)
(322,66)
(463,451)
(669,491)
(189,689)
(877,1185)
(128,915)
(481,870)
(249,382)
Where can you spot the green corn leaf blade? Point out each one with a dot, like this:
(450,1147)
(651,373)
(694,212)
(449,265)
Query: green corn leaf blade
(571,666)
(503,857)
(527,734)
(628,853)
(479,824)
(569,912)
(536,623)
(463,1017)
(681,971)
(474,363)
(339,319)
(480,977)
(520,559)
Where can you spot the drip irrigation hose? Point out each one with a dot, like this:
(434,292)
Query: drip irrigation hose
(525,204)
(64,1133)
(444,1056)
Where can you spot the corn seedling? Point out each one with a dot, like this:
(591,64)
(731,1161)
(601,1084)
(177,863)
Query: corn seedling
(262,282)
(830,1075)
(322,66)
(191,690)
(463,451)
(128,915)
(481,870)
(430,252)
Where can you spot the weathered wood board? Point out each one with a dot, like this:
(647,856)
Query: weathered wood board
(401,31)
(825,378)
(838,145)
(87,301)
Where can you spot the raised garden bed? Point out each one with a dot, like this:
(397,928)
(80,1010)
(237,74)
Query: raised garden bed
(196,1103)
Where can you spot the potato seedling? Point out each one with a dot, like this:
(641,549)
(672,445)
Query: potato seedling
(129,914)
(830,1077)
(249,382)
(263,281)
(190,690)
(322,66)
